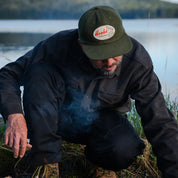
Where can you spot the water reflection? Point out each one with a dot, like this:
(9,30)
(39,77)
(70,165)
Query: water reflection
(20,39)
(159,37)
(162,48)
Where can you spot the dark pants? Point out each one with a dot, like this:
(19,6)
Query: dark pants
(111,142)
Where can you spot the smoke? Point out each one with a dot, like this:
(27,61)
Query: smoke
(75,117)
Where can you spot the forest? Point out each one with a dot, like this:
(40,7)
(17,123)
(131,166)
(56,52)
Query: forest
(72,9)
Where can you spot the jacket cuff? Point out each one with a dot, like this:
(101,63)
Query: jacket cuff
(11,109)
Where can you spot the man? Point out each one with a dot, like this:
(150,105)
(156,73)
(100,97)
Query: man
(77,86)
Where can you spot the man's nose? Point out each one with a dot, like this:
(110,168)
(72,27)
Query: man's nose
(109,61)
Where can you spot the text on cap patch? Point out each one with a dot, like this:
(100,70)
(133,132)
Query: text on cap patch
(104,32)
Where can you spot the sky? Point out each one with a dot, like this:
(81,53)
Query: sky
(172,1)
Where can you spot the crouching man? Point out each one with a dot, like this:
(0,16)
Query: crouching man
(77,86)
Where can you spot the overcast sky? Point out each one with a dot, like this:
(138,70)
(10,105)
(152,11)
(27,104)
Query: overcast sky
(173,1)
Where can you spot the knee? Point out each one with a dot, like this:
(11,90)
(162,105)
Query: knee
(114,144)
(125,153)
(117,156)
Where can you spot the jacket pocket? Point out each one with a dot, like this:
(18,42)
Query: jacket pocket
(109,98)
(114,101)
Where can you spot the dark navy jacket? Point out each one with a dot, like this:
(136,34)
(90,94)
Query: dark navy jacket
(133,79)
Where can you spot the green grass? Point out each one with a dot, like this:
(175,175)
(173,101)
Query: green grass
(172,105)
(74,163)
(135,120)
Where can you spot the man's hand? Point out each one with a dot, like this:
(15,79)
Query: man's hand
(16,134)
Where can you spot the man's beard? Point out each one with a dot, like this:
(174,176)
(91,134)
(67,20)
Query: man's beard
(104,72)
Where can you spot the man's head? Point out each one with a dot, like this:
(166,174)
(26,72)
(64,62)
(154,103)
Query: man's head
(102,35)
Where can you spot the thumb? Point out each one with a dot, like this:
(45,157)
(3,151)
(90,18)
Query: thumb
(29,145)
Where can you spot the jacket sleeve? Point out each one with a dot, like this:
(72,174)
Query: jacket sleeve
(11,78)
(160,126)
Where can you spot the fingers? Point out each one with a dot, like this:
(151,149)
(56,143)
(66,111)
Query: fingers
(6,139)
(29,146)
(19,144)
(11,140)
(23,147)
(16,147)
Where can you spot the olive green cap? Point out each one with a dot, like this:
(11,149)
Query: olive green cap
(102,34)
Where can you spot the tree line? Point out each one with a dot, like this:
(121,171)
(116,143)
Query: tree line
(72,9)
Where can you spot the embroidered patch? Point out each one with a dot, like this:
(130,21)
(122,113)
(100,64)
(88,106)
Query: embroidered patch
(104,32)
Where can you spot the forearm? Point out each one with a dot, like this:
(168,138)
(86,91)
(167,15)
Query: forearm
(161,129)
(12,77)
(159,124)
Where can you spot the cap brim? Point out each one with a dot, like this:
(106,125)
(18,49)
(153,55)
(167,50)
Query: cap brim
(105,51)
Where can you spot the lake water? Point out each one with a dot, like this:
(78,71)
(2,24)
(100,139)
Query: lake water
(159,37)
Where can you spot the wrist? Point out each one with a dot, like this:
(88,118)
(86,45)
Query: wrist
(15,115)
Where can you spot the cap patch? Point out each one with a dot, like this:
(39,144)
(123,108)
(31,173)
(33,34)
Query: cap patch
(104,32)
